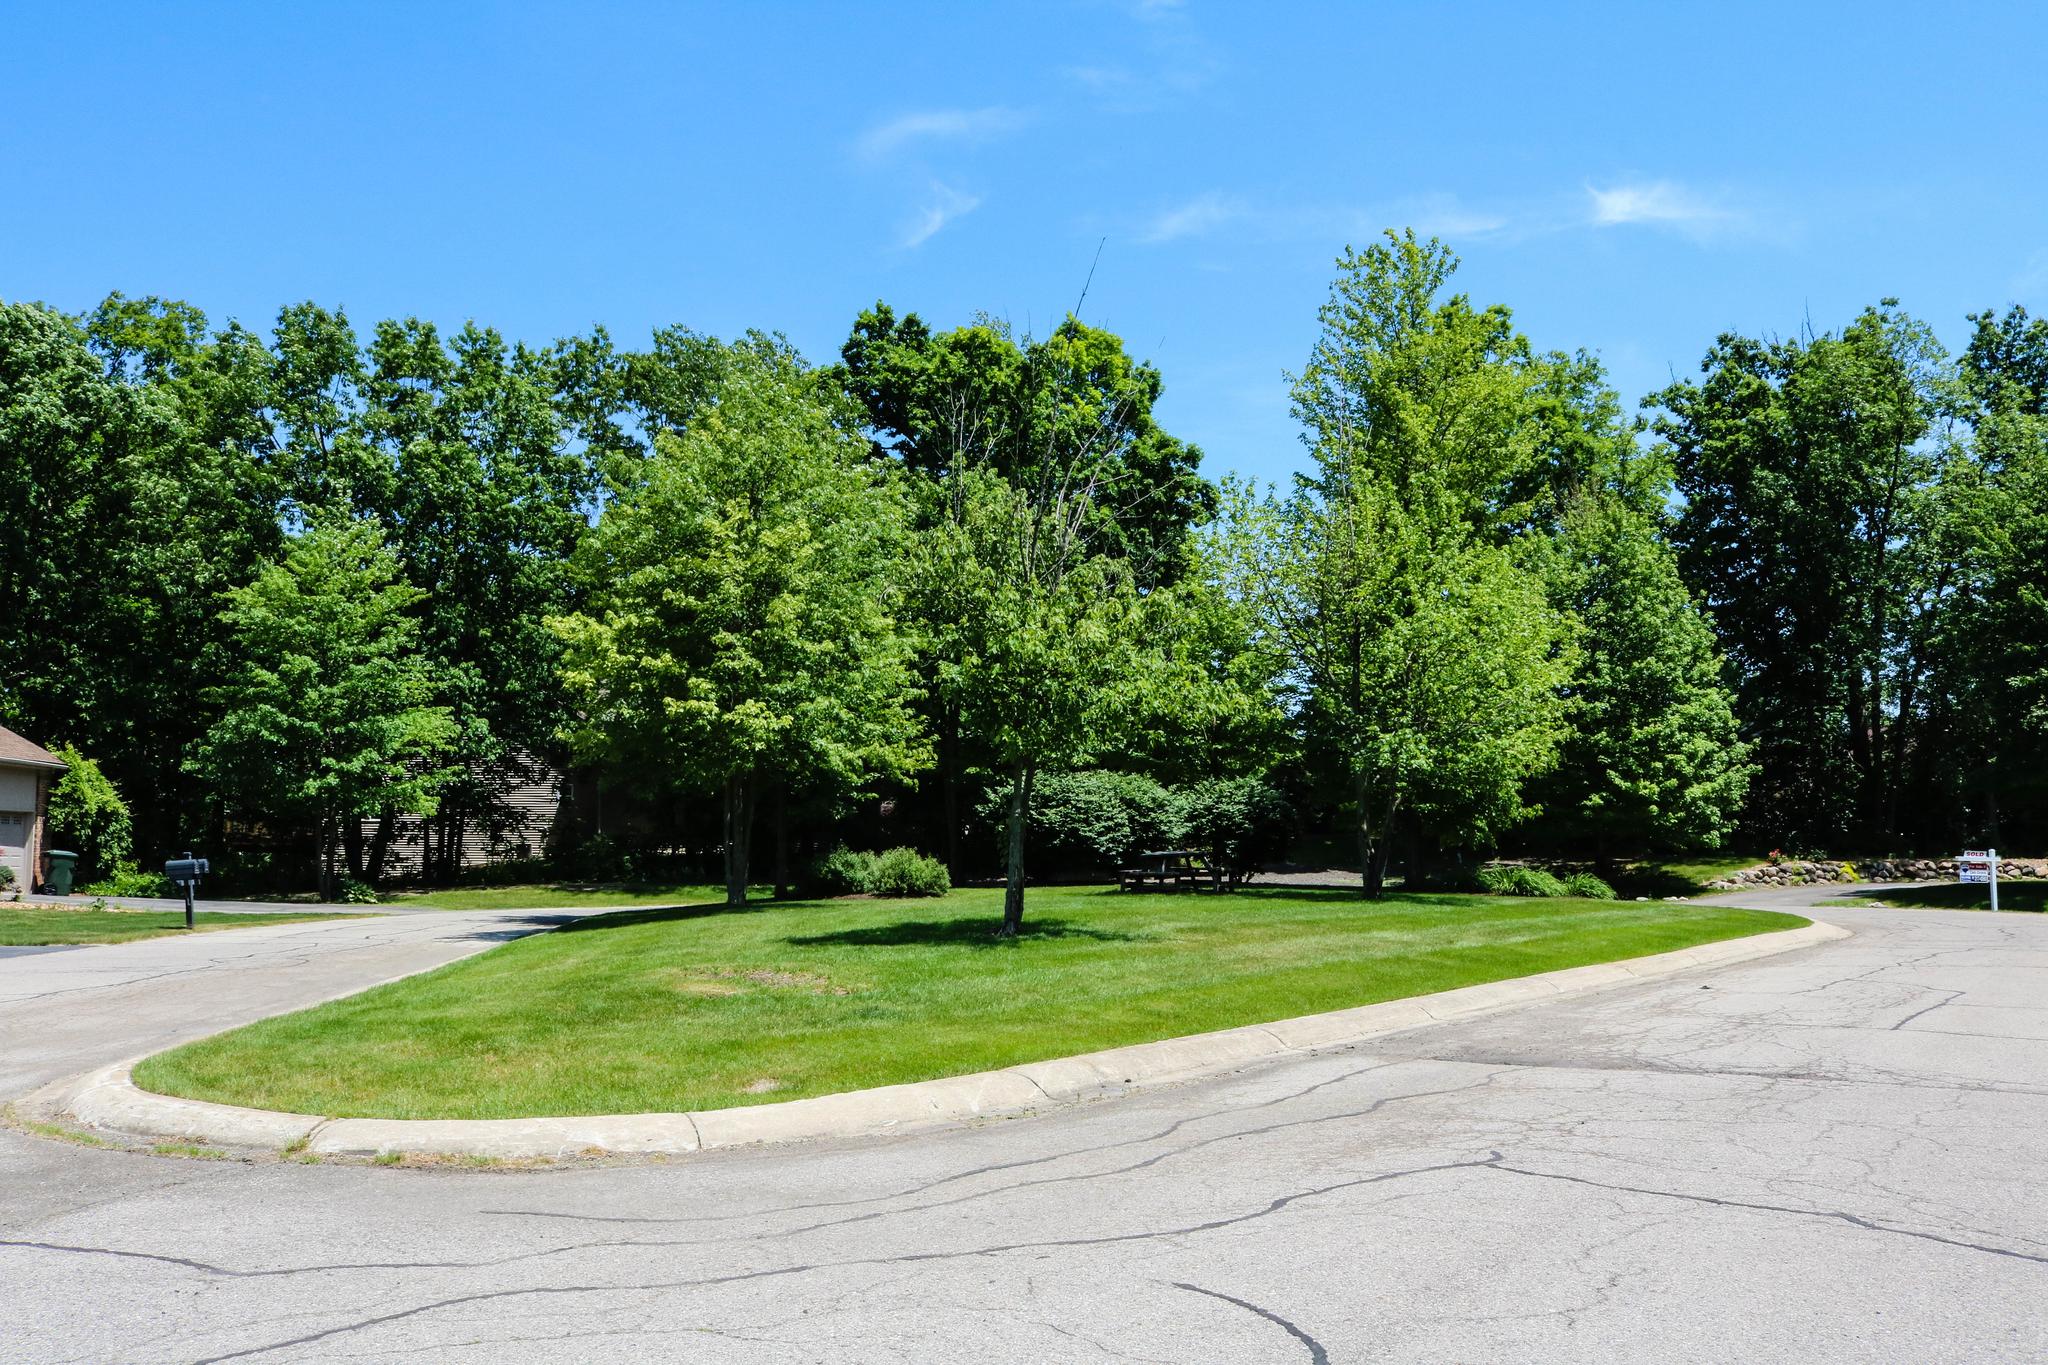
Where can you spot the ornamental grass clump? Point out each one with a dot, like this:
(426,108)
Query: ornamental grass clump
(1520,881)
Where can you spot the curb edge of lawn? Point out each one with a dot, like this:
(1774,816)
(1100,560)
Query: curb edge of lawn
(108,1098)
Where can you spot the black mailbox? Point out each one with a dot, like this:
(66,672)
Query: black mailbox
(186,872)
(186,869)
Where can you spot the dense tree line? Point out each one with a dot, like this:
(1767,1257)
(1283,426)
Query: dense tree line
(960,588)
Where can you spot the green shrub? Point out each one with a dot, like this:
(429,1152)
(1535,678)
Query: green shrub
(602,859)
(1534,881)
(1587,886)
(906,872)
(353,892)
(126,879)
(6,876)
(1518,881)
(842,872)
(89,815)
(1242,823)
(1088,821)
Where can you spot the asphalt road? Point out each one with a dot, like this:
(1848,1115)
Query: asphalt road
(1831,1155)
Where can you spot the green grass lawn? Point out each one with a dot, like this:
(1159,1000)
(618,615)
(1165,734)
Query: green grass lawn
(1952,896)
(27,925)
(703,1008)
(561,896)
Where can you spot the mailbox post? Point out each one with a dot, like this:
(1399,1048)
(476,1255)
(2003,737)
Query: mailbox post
(186,872)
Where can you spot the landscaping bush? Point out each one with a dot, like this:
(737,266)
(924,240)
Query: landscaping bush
(906,872)
(842,872)
(353,892)
(602,859)
(1242,823)
(1519,881)
(1088,821)
(126,879)
(88,814)
(1588,887)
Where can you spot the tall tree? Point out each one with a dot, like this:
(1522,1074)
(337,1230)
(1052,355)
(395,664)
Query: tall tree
(1807,468)
(1428,666)
(1984,756)
(1428,663)
(483,501)
(1066,421)
(1653,757)
(201,512)
(326,714)
(739,630)
(1044,634)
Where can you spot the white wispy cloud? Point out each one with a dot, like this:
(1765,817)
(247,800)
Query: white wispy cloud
(1197,217)
(1659,202)
(939,125)
(943,205)
(1214,212)
(1436,215)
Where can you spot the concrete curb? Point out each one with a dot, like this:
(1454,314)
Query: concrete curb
(108,1098)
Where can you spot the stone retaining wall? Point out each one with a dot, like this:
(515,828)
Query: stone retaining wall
(1802,872)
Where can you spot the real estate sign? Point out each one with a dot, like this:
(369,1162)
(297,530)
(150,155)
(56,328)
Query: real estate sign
(1979,865)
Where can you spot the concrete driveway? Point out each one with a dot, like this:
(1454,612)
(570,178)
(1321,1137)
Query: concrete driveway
(1831,1155)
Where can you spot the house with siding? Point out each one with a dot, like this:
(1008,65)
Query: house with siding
(26,773)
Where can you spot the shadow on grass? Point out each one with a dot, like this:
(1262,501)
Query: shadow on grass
(969,931)
(659,914)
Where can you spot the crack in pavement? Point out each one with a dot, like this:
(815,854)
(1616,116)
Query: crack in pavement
(909,1258)
(928,1186)
(1829,1215)
(1953,996)
(1316,1353)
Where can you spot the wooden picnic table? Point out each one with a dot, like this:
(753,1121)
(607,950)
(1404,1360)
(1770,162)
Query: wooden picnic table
(1172,869)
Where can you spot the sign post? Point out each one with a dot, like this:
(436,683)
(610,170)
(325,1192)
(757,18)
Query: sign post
(1980,865)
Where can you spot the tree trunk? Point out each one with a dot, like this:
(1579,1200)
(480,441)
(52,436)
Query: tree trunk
(1013,888)
(352,846)
(1412,866)
(1372,838)
(739,833)
(380,845)
(949,791)
(324,877)
(782,843)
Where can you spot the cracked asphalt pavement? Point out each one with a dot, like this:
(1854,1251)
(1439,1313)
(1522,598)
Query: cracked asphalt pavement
(1834,1154)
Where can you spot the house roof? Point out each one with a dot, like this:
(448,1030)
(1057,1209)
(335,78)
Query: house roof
(14,750)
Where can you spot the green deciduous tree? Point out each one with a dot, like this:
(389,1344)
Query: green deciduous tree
(482,500)
(326,714)
(978,397)
(87,810)
(1654,756)
(740,626)
(1429,666)
(1041,630)
(1808,469)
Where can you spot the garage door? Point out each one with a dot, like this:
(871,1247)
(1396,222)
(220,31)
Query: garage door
(14,845)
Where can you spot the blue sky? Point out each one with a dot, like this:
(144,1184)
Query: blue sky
(1632,179)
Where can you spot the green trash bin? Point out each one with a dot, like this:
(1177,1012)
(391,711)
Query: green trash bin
(62,865)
